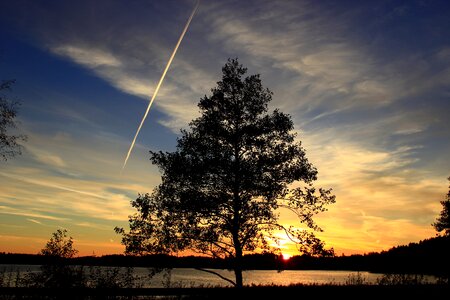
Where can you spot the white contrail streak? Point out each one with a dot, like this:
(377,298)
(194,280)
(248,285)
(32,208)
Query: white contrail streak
(160,82)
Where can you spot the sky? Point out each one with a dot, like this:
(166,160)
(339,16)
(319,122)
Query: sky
(367,84)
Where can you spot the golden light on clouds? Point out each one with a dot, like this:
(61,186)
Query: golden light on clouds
(371,108)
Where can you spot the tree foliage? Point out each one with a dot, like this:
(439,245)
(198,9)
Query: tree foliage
(443,222)
(232,172)
(9,143)
(56,272)
(59,245)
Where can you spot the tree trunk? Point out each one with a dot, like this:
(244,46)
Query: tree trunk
(237,243)
(238,274)
(238,267)
(237,217)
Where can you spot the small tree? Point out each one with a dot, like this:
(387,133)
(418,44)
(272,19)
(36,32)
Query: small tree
(56,273)
(222,188)
(443,222)
(9,146)
(59,245)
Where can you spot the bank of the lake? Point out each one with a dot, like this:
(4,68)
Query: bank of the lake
(189,277)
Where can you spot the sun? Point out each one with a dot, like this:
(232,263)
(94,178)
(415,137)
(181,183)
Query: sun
(286,256)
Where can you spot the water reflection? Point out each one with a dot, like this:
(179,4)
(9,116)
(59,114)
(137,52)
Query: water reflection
(185,277)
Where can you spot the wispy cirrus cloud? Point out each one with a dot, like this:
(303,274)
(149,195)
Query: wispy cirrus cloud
(28,213)
(369,102)
(330,70)
(177,98)
(92,58)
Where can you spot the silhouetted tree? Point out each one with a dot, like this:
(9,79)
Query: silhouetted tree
(9,146)
(222,188)
(56,273)
(59,245)
(443,222)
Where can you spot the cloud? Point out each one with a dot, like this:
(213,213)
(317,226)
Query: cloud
(48,158)
(100,205)
(54,186)
(304,53)
(94,226)
(92,58)
(121,72)
(324,66)
(89,185)
(13,211)
(383,199)
(331,70)
(371,116)
(35,221)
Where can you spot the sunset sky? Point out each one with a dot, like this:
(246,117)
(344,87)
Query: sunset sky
(367,84)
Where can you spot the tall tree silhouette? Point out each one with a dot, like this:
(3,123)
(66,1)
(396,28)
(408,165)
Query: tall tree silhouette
(222,188)
(9,146)
(443,222)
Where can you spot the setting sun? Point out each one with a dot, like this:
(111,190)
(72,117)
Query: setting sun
(286,256)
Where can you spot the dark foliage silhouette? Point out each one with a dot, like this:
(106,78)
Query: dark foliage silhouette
(60,245)
(9,142)
(56,273)
(232,171)
(443,222)
(59,271)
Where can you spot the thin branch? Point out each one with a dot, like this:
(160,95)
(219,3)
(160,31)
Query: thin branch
(222,248)
(287,231)
(215,243)
(211,252)
(302,217)
(290,208)
(249,231)
(217,274)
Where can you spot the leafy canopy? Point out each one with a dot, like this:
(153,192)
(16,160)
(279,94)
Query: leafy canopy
(9,142)
(59,245)
(221,190)
(443,222)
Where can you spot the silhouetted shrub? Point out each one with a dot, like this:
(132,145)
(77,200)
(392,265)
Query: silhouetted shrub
(402,279)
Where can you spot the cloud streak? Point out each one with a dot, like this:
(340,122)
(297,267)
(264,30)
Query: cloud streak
(17,212)
(54,186)
(370,104)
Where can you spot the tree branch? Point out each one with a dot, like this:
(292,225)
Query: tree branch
(217,274)
(288,233)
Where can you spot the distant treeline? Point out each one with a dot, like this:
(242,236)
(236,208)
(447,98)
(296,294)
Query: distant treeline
(430,256)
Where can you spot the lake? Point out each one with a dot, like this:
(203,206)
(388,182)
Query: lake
(186,277)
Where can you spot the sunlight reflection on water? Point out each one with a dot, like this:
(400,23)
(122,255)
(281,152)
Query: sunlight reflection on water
(192,277)
(185,277)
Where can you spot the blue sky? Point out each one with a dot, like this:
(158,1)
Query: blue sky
(366,83)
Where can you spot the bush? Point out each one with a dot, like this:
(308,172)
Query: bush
(401,279)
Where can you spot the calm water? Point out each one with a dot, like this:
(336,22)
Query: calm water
(181,277)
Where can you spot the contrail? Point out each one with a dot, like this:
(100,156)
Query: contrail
(160,82)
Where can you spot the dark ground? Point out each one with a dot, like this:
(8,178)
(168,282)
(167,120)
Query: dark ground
(266,292)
